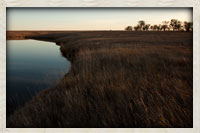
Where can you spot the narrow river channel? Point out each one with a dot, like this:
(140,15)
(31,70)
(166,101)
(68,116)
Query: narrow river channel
(31,67)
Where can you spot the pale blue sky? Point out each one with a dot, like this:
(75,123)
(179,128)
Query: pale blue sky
(90,18)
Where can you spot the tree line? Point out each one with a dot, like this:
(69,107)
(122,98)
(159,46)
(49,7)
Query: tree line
(173,25)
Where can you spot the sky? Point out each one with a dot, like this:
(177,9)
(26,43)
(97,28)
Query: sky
(90,18)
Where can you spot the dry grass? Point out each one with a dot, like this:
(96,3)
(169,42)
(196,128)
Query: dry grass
(143,81)
(20,35)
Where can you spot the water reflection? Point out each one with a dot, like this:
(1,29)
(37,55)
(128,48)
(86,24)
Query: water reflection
(31,66)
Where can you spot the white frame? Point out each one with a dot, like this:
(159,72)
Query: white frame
(195,4)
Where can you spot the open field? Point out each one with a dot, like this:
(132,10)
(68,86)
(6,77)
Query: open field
(117,79)
(20,35)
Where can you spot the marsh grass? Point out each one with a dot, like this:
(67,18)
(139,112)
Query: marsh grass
(146,81)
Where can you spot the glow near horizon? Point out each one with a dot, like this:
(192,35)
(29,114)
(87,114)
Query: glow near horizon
(90,18)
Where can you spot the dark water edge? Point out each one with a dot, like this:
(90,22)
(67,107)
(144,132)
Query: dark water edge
(32,66)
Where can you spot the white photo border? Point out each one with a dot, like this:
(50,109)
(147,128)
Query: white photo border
(195,4)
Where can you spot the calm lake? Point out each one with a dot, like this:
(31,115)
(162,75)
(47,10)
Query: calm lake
(31,66)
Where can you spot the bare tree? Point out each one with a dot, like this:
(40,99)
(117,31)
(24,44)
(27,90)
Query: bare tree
(151,27)
(136,28)
(129,28)
(188,26)
(179,25)
(165,25)
(146,27)
(155,27)
(141,23)
(173,24)
(159,27)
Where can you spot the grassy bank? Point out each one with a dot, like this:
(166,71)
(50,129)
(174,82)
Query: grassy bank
(20,35)
(117,79)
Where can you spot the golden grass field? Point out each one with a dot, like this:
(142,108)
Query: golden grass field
(20,35)
(117,79)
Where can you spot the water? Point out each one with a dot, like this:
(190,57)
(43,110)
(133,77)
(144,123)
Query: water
(31,67)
